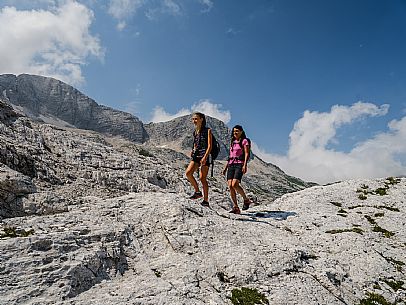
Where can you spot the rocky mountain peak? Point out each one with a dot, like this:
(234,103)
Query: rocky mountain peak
(52,101)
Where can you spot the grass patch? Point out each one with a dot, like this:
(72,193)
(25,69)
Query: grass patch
(247,296)
(377,228)
(385,232)
(392,180)
(336,231)
(395,285)
(374,299)
(362,196)
(381,191)
(370,220)
(145,153)
(388,208)
(398,264)
(356,206)
(13,232)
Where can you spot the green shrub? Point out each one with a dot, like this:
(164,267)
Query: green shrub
(362,196)
(145,153)
(336,231)
(370,219)
(247,296)
(392,180)
(374,299)
(381,191)
(385,232)
(395,285)
(13,232)
(388,208)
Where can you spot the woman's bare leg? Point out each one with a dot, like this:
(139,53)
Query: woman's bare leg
(232,193)
(192,167)
(204,170)
(236,185)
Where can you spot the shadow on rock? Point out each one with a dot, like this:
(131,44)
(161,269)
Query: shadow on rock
(277,215)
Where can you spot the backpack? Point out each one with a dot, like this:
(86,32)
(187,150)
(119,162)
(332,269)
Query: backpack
(215,150)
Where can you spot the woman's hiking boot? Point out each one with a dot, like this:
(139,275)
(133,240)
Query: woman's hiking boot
(246,205)
(196,195)
(205,203)
(235,210)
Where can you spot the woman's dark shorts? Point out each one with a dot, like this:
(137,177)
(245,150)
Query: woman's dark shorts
(198,159)
(234,171)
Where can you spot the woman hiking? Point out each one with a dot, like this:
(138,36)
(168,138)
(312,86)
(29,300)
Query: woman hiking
(202,144)
(236,167)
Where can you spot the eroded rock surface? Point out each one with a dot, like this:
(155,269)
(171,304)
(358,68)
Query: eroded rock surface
(160,248)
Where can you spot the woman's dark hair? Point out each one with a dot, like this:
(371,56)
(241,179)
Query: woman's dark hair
(202,116)
(243,136)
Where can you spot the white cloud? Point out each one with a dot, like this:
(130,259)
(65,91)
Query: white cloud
(208,5)
(208,108)
(160,115)
(54,42)
(166,7)
(309,158)
(172,8)
(122,10)
(203,106)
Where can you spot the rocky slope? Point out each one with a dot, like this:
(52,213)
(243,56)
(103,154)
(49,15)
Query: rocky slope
(55,102)
(87,218)
(322,245)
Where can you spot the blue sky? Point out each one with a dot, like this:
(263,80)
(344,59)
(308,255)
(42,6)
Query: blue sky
(320,86)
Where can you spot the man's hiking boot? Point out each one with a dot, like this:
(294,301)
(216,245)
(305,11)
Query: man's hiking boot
(235,210)
(205,203)
(196,195)
(246,204)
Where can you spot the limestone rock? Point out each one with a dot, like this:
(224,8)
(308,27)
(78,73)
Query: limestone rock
(160,248)
(55,102)
(14,186)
